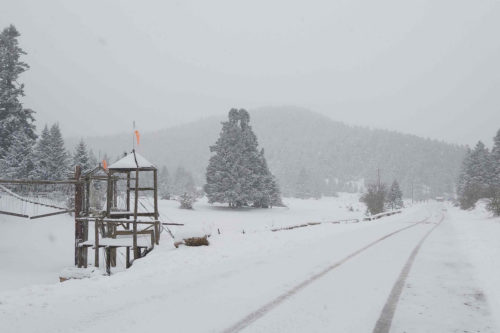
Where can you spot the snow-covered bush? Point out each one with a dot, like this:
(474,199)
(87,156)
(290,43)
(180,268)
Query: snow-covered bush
(187,200)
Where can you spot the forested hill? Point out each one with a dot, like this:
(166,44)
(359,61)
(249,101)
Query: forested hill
(333,154)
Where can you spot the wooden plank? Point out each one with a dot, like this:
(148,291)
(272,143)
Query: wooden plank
(155,197)
(37,181)
(96,235)
(78,225)
(52,214)
(128,192)
(136,204)
(14,214)
(144,189)
(128,232)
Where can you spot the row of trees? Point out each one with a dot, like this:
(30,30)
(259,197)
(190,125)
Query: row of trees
(237,172)
(378,197)
(480,176)
(24,154)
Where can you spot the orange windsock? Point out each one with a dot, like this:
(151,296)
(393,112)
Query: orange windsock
(104,165)
(137,136)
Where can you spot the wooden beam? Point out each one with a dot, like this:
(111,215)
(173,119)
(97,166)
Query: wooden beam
(14,214)
(78,224)
(96,242)
(38,181)
(136,204)
(52,214)
(155,195)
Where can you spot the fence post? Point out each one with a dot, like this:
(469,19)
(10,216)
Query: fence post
(78,224)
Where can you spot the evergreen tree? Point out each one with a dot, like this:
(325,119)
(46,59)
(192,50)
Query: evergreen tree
(50,158)
(17,162)
(475,176)
(164,183)
(494,204)
(495,161)
(59,155)
(237,173)
(395,196)
(41,156)
(81,157)
(13,117)
(307,186)
(93,162)
(302,188)
(183,182)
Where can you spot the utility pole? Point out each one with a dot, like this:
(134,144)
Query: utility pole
(378,177)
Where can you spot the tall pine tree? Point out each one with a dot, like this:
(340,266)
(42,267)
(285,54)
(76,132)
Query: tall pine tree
(495,161)
(494,204)
(50,158)
(395,196)
(14,119)
(237,173)
(59,156)
(17,162)
(41,156)
(81,157)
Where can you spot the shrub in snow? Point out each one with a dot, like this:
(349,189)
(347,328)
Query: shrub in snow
(374,198)
(187,200)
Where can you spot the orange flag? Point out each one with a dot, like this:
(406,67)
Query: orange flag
(137,136)
(104,165)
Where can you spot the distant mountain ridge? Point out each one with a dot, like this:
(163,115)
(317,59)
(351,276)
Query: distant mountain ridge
(293,138)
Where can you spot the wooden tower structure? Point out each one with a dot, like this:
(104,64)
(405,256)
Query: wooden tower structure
(129,221)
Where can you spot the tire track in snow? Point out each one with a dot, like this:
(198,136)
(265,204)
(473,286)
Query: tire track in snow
(384,322)
(259,313)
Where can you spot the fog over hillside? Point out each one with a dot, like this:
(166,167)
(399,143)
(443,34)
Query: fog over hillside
(335,155)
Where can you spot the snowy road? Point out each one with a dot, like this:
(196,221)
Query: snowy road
(327,278)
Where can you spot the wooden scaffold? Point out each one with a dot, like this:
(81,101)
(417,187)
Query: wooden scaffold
(129,221)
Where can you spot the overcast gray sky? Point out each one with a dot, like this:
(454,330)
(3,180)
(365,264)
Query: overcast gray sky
(427,67)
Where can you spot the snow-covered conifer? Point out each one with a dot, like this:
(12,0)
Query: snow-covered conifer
(395,196)
(183,182)
(13,117)
(41,156)
(81,156)
(17,162)
(237,173)
(60,165)
(164,185)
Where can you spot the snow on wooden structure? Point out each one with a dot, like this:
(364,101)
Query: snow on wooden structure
(126,221)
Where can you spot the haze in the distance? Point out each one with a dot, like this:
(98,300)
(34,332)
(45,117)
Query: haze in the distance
(429,68)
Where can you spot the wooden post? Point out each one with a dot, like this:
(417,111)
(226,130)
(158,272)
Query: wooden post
(128,197)
(107,257)
(87,196)
(136,204)
(127,257)
(113,250)
(85,250)
(96,243)
(109,194)
(115,192)
(155,194)
(78,224)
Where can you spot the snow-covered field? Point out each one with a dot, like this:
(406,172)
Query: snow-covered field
(263,281)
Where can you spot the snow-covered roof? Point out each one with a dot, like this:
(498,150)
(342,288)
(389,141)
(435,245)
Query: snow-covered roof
(129,162)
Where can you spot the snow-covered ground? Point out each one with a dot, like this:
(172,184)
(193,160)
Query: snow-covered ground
(263,281)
